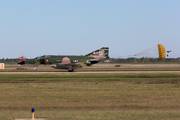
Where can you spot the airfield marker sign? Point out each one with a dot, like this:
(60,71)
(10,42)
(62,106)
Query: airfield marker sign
(32,110)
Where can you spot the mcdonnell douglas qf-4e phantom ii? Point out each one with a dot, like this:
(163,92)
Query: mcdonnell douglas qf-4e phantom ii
(69,62)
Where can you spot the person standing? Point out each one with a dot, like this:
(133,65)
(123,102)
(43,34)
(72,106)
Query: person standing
(34,69)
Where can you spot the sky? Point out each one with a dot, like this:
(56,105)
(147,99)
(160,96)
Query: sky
(77,27)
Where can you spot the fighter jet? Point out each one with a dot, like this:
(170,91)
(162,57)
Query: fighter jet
(69,62)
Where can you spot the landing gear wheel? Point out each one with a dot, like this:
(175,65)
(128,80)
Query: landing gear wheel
(70,69)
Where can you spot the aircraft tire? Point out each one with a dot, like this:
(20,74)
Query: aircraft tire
(70,70)
(88,64)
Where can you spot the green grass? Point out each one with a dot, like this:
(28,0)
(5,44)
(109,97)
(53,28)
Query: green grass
(90,96)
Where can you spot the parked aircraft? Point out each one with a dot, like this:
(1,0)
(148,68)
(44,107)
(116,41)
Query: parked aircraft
(69,62)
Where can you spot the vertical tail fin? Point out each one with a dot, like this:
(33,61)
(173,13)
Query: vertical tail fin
(100,53)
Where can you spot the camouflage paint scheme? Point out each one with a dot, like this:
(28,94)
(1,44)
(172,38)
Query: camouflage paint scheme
(70,62)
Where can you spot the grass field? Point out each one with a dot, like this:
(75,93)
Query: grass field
(90,96)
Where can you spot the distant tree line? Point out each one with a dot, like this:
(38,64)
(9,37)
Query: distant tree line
(9,60)
(143,60)
(114,60)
